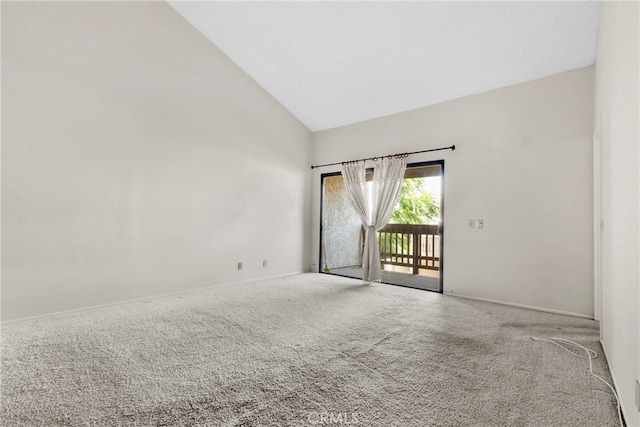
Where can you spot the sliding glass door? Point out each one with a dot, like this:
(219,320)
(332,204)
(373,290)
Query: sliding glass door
(410,245)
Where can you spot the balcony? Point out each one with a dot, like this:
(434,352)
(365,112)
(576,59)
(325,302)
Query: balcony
(410,256)
(410,248)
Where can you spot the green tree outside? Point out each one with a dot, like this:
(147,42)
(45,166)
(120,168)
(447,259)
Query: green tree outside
(415,206)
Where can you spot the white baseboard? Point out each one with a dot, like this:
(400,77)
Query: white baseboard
(615,383)
(135,300)
(530,307)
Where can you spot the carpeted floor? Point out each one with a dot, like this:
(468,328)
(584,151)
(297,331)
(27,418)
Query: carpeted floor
(305,350)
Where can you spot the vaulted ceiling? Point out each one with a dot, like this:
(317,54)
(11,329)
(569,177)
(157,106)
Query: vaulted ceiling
(336,63)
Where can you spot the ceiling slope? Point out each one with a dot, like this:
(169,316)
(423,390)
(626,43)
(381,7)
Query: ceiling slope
(336,63)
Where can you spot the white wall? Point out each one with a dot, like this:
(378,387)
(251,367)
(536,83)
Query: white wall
(523,164)
(617,111)
(137,160)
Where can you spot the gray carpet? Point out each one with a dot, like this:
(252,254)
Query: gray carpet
(303,350)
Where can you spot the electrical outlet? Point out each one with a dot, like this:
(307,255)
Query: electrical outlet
(239,266)
(264,263)
(480,224)
(472,223)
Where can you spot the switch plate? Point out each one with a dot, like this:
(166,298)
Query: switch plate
(239,266)
(264,263)
(472,223)
(480,223)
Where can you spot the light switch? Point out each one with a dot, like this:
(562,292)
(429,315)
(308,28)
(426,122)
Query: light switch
(480,223)
(472,223)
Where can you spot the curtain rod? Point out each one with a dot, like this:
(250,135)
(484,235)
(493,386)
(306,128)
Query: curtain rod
(452,148)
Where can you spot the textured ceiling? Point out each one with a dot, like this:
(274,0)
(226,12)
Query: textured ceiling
(335,63)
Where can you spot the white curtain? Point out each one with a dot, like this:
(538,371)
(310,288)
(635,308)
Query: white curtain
(376,208)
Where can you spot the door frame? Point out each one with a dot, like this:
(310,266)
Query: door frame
(409,165)
(598,221)
(441,261)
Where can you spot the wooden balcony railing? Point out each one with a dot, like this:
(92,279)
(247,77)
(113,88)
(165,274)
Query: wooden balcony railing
(410,245)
